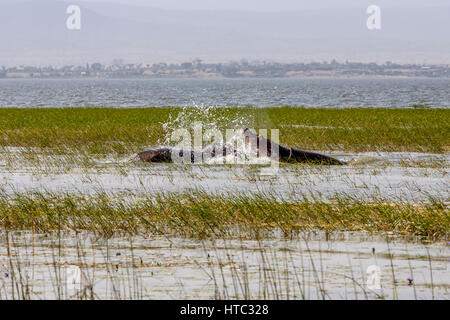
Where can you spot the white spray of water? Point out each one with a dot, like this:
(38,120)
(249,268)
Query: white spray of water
(209,116)
(215,119)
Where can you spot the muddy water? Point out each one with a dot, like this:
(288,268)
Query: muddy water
(309,266)
(367,176)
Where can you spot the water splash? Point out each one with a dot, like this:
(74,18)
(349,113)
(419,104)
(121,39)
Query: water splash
(229,122)
(211,117)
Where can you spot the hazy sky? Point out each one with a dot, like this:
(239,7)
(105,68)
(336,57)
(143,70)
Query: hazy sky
(35,31)
(273,5)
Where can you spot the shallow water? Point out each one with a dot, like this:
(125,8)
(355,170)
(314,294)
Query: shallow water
(314,93)
(368,176)
(312,265)
(307,265)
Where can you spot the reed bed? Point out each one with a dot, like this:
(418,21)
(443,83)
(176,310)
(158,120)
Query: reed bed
(202,215)
(107,131)
(61,139)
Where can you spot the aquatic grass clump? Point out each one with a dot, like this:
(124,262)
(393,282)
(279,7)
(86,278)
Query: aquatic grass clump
(201,215)
(360,129)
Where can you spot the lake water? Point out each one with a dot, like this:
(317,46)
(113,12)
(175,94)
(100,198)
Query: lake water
(340,93)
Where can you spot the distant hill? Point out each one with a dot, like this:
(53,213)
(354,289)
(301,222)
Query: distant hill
(34,32)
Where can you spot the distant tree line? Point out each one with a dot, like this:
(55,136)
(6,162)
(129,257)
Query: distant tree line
(233,69)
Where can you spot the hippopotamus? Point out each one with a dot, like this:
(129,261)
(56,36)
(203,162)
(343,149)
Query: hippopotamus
(285,154)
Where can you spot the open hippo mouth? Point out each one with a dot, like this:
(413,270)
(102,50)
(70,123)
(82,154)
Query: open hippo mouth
(258,145)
